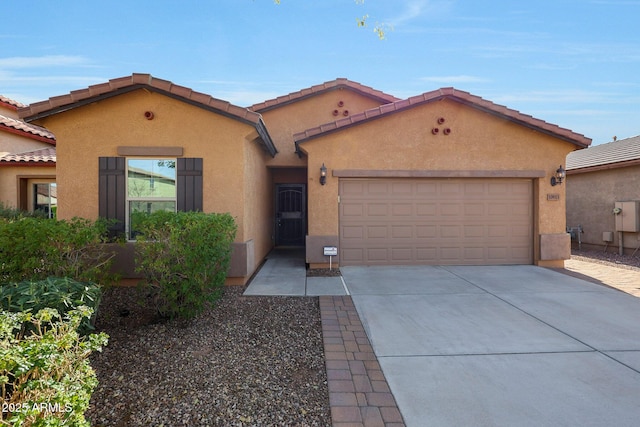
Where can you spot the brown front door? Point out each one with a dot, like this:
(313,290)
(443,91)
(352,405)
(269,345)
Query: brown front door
(291,220)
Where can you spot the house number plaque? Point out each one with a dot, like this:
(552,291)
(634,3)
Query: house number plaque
(553,197)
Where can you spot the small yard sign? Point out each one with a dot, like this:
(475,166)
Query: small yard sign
(330,251)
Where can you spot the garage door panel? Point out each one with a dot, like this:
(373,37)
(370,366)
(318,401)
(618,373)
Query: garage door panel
(436,221)
(352,231)
(474,209)
(450,255)
(471,231)
(426,231)
(351,255)
(451,209)
(377,209)
(379,187)
(402,209)
(401,188)
(426,209)
(351,209)
(426,254)
(402,232)
(426,188)
(400,254)
(378,254)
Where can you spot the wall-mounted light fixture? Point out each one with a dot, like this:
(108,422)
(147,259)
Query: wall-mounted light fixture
(559,176)
(323,174)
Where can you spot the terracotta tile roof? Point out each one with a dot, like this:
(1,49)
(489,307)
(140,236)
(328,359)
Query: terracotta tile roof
(26,129)
(321,88)
(137,81)
(11,103)
(624,152)
(455,95)
(35,157)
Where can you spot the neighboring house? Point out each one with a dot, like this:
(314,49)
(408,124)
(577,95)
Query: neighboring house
(27,162)
(441,178)
(599,179)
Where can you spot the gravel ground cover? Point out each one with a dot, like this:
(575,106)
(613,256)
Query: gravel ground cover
(628,261)
(248,361)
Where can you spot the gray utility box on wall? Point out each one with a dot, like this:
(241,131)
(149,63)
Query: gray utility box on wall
(629,217)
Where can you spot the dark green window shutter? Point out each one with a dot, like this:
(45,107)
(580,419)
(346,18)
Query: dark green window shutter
(111,192)
(189,185)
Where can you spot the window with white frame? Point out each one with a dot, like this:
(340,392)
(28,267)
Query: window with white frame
(151,187)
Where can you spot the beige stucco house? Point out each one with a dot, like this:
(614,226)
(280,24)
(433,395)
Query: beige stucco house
(441,178)
(599,180)
(27,162)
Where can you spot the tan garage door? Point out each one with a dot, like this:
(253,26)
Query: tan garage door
(436,221)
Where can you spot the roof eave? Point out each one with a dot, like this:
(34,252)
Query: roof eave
(266,138)
(48,163)
(438,95)
(326,87)
(27,134)
(119,91)
(606,166)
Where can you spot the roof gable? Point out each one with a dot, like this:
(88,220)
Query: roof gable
(454,95)
(620,153)
(339,83)
(115,87)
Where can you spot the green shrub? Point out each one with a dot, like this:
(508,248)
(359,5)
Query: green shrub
(45,376)
(14,213)
(62,294)
(184,257)
(37,248)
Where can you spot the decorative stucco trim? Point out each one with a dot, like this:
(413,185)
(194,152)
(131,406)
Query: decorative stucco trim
(376,173)
(150,151)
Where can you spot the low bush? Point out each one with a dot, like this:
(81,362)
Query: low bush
(36,248)
(45,376)
(62,294)
(8,212)
(184,257)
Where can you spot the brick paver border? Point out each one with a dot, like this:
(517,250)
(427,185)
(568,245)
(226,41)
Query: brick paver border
(358,391)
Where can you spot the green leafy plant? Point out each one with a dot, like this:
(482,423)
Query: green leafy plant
(61,293)
(36,248)
(45,376)
(13,213)
(184,257)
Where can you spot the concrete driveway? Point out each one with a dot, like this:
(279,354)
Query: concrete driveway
(501,346)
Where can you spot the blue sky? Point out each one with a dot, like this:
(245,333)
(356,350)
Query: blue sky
(574,63)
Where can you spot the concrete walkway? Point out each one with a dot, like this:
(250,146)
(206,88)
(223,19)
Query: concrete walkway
(284,273)
(507,345)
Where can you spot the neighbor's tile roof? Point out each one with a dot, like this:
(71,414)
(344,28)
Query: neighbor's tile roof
(26,129)
(455,95)
(338,83)
(10,102)
(136,81)
(624,152)
(35,157)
